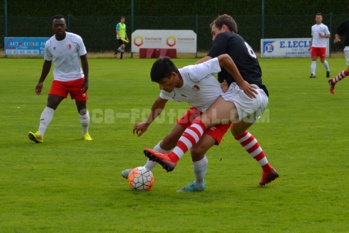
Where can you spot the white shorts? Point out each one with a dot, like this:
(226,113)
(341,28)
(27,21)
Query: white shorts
(346,54)
(249,110)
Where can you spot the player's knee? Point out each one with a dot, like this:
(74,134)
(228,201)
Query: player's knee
(236,132)
(197,153)
(52,104)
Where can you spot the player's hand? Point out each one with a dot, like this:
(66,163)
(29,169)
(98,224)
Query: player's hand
(140,128)
(250,90)
(224,86)
(38,88)
(84,87)
(336,40)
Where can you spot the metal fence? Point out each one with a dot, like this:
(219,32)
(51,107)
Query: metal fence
(99,32)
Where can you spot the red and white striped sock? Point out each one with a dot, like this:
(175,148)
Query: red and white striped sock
(188,139)
(252,146)
(340,76)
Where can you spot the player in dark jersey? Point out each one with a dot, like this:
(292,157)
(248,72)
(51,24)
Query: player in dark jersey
(342,30)
(226,40)
(234,105)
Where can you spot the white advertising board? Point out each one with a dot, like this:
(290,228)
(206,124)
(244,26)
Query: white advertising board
(184,41)
(288,47)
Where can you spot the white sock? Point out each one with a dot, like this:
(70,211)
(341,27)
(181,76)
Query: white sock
(200,168)
(151,164)
(313,67)
(45,119)
(85,122)
(327,66)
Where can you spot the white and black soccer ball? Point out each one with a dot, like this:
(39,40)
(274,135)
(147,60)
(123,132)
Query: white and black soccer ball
(140,179)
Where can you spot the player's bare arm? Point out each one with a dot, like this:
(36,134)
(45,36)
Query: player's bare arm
(85,69)
(157,108)
(311,42)
(206,58)
(337,38)
(226,62)
(45,70)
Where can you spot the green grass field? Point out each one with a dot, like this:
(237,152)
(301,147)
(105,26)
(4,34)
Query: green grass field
(70,185)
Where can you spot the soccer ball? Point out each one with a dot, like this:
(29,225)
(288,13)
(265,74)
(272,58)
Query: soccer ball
(140,179)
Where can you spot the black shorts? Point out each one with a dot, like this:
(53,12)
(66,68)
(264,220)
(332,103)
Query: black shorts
(121,42)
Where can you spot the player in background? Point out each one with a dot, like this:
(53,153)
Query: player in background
(235,105)
(342,30)
(66,50)
(319,39)
(198,87)
(121,37)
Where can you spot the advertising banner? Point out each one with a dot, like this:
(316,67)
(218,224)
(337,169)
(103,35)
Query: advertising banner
(24,45)
(288,47)
(184,41)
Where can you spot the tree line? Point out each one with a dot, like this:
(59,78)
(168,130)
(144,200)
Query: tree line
(171,8)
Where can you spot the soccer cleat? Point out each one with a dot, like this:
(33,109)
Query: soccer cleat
(36,137)
(331,86)
(87,137)
(268,177)
(312,76)
(160,158)
(192,187)
(125,173)
(328,74)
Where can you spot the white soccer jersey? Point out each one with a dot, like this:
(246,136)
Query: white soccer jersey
(200,88)
(65,55)
(319,42)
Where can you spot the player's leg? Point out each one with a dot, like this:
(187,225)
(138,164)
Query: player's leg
(314,56)
(84,117)
(344,73)
(74,89)
(164,146)
(200,162)
(324,61)
(170,141)
(167,144)
(56,95)
(122,51)
(212,136)
(252,146)
(249,143)
(120,42)
(220,112)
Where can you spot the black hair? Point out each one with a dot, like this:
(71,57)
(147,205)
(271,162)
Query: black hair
(162,68)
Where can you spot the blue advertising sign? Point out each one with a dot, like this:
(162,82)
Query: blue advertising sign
(287,47)
(24,45)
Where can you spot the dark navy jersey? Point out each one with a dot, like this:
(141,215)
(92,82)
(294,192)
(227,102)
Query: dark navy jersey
(343,29)
(243,56)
